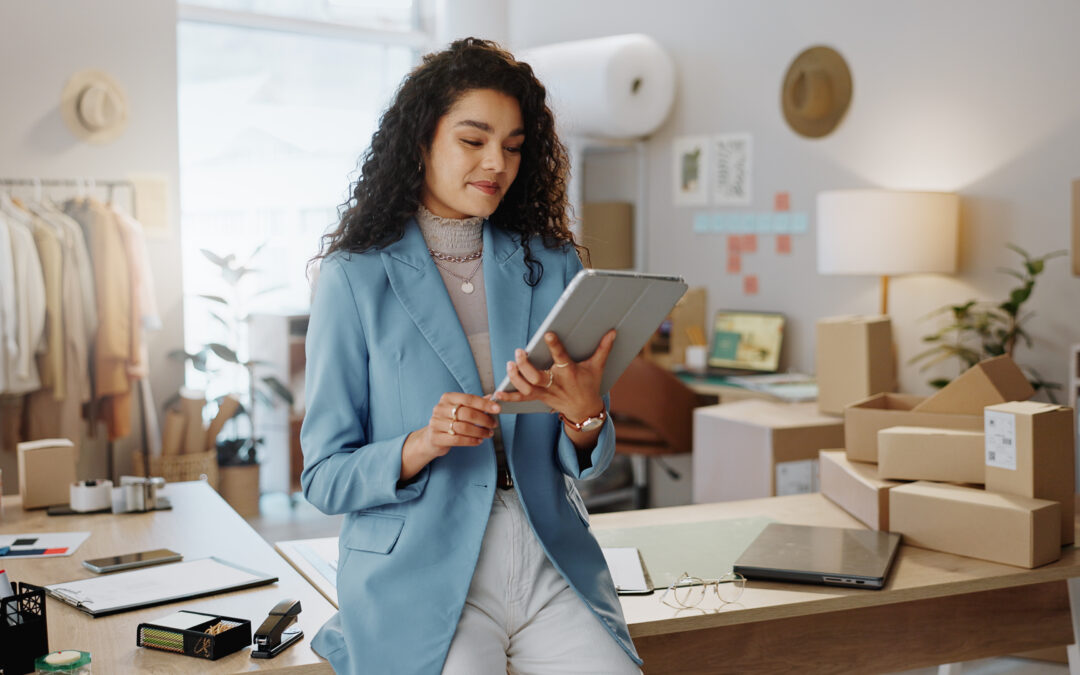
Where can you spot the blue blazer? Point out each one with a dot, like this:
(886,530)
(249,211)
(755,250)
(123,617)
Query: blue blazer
(384,343)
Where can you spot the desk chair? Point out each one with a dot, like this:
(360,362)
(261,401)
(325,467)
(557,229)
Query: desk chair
(653,414)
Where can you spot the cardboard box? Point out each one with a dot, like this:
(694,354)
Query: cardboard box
(854,360)
(1029,452)
(988,382)
(863,421)
(856,488)
(607,230)
(46,472)
(758,448)
(239,486)
(967,521)
(924,453)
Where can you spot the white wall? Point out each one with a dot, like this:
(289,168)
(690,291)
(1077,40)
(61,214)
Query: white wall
(973,96)
(42,43)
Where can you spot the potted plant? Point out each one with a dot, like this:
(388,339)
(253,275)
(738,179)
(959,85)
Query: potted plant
(979,330)
(231,373)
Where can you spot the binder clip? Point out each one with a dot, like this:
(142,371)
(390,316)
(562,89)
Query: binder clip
(272,638)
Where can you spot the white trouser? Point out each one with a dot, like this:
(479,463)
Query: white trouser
(521,616)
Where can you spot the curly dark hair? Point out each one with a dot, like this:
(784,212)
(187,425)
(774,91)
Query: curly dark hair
(387,193)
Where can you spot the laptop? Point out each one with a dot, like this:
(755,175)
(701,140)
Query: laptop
(745,343)
(833,556)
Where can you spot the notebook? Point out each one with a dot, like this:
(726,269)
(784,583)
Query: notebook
(745,343)
(123,591)
(833,556)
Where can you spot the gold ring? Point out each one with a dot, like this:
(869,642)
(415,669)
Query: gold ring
(451,431)
(561,365)
(453,412)
(551,378)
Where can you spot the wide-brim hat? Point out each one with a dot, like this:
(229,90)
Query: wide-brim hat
(94,106)
(816,91)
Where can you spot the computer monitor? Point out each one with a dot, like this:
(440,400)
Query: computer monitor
(747,341)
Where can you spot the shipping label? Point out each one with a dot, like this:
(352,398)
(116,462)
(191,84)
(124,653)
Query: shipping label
(1000,428)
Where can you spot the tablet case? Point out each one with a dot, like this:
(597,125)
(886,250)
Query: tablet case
(594,302)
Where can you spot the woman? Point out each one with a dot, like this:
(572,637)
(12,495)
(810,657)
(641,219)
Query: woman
(465,547)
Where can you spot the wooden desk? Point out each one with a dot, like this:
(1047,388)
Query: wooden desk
(714,386)
(936,608)
(200,524)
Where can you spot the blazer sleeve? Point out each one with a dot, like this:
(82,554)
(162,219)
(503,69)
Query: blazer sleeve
(604,452)
(344,470)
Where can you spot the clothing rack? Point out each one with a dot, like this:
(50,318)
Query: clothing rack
(89,185)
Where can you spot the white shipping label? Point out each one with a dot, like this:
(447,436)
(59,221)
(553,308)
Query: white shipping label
(796,478)
(1000,428)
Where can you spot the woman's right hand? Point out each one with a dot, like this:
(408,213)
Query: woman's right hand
(458,419)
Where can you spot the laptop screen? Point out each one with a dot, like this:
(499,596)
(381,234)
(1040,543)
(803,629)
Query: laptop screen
(747,340)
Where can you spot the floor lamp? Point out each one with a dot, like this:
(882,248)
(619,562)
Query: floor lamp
(885,233)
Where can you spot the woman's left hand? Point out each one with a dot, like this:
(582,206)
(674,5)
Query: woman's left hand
(568,387)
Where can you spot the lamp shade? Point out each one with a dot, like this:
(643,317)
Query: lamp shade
(887,232)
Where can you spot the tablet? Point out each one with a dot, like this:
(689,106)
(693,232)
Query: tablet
(593,303)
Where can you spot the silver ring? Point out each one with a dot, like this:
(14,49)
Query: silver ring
(453,412)
(551,378)
(451,431)
(561,365)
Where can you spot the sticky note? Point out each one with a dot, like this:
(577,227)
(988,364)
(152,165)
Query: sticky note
(733,243)
(799,223)
(750,285)
(734,263)
(781,223)
(702,221)
(749,243)
(783,244)
(781,201)
(763,223)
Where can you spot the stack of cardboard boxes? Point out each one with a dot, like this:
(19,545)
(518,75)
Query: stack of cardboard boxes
(975,470)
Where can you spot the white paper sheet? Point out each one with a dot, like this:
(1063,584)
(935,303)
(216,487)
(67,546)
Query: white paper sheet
(626,570)
(57,544)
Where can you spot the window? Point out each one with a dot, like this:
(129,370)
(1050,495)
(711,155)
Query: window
(272,123)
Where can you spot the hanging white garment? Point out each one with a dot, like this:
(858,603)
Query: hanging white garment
(29,309)
(8,326)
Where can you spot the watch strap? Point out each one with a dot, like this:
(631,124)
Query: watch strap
(602,416)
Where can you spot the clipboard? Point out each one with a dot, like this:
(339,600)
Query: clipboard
(594,302)
(159,585)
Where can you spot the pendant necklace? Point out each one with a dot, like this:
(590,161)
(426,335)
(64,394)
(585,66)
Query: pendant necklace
(467,285)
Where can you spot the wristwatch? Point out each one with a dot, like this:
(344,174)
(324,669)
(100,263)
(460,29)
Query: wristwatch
(591,423)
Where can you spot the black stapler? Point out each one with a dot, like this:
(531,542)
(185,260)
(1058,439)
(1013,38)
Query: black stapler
(271,639)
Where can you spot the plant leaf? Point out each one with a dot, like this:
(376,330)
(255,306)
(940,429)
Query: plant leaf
(278,388)
(214,258)
(939,382)
(215,298)
(223,352)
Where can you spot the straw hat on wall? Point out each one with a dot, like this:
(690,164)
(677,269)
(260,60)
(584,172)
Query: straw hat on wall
(816,91)
(94,106)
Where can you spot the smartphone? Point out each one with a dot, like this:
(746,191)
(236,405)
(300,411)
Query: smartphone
(131,560)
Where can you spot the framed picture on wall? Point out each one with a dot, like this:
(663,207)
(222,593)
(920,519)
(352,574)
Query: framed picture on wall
(690,170)
(732,169)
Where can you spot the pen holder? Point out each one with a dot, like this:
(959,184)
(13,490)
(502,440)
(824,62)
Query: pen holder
(23,630)
(196,641)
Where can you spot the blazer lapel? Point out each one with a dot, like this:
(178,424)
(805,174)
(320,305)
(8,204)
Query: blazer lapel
(420,288)
(509,302)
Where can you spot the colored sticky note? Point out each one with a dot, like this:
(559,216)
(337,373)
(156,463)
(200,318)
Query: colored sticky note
(734,263)
(701,223)
(750,284)
(733,243)
(799,222)
(783,244)
(781,201)
(781,223)
(749,243)
(763,223)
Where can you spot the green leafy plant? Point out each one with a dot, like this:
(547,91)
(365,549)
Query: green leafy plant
(223,361)
(980,330)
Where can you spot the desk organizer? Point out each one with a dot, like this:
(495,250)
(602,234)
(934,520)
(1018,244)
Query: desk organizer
(28,638)
(194,641)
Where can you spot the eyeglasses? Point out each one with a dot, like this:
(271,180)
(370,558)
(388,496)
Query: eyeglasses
(688,592)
